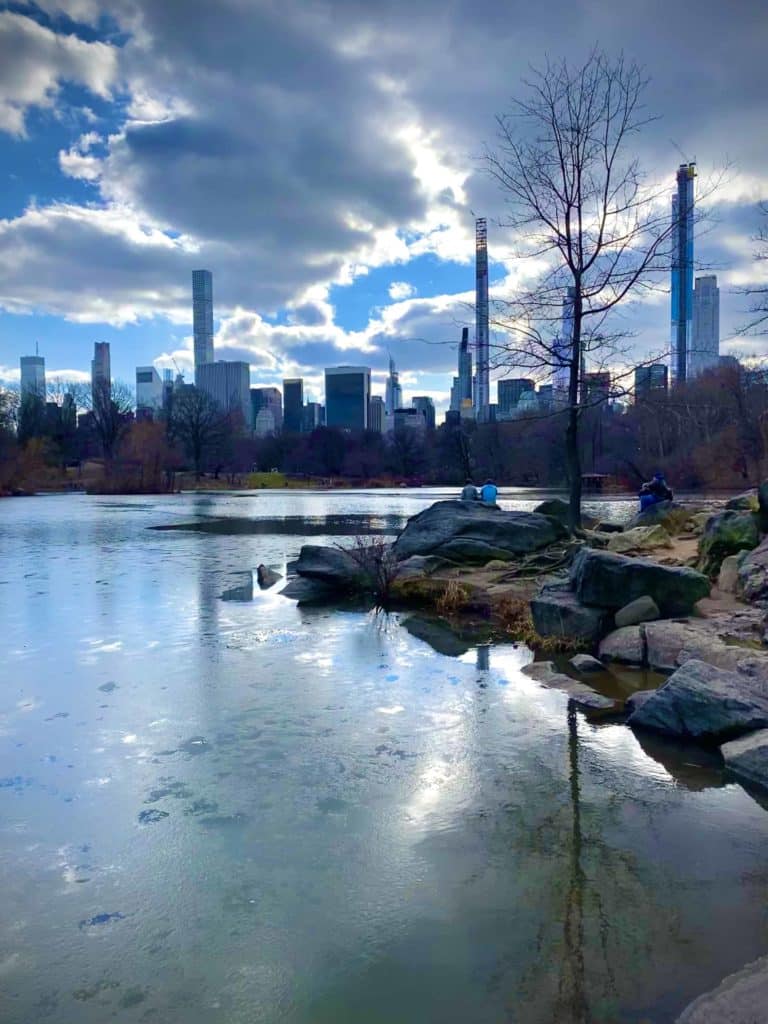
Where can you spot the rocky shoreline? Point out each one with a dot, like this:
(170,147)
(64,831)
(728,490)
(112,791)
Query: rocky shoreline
(681,589)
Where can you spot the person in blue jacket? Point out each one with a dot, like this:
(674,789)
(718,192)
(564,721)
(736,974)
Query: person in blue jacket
(654,491)
(489,492)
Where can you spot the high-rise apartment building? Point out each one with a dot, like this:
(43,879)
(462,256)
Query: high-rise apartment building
(510,392)
(563,351)
(271,400)
(314,417)
(482,333)
(651,381)
(682,273)
(347,396)
(393,394)
(101,373)
(149,390)
(202,318)
(424,405)
(705,348)
(293,405)
(229,385)
(32,376)
(376,414)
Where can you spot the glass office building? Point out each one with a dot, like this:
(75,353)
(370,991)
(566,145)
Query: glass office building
(347,397)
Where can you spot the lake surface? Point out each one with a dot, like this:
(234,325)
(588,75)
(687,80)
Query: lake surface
(237,811)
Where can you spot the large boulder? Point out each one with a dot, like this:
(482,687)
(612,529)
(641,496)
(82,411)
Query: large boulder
(642,609)
(669,514)
(753,574)
(332,566)
(611,581)
(702,702)
(472,533)
(747,758)
(640,538)
(728,577)
(762,507)
(746,502)
(555,508)
(726,534)
(625,644)
(725,644)
(558,612)
(740,998)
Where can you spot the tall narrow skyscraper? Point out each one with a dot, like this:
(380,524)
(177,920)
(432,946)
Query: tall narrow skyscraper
(202,317)
(293,405)
(705,349)
(563,352)
(682,273)
(393,393)
(482,337)
(32,376)
(101,373)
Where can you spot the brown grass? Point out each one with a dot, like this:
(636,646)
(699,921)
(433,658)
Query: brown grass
(452,598)
(514,617)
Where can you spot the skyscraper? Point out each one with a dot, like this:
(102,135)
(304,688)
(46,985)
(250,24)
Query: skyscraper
(202,318)
(651,381)
(682,272)
(482,337)
(32,376)
(511,391)
(228,383)
(293,405)
(424,405)
(563,351)
(465,368)
(101,373)
(347,396)
(393,395)
(376,414)
(149,389)
(271,400)
(705,349)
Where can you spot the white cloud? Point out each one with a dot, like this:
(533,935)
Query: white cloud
(399,290)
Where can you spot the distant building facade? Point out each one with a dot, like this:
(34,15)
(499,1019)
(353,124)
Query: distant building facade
(510,392)
(271,399)
(376,414)
(202,318)
(563,351)
(313,417)
(293,405)
(101,373)
(651,381)
(424,405)
(596,387)
(228,383)
(410,420)
(149,390)
(347,397)
(705,349)
(32,376)
(393,393)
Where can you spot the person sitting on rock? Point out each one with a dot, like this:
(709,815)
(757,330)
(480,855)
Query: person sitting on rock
(469,492)
(489,493)
(654,491)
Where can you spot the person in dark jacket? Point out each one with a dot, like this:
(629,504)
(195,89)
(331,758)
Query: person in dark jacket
(469,492)
(654,491)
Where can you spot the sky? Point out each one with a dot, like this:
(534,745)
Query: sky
(325,161)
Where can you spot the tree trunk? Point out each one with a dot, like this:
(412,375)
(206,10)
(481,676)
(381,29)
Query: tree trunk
(573,467)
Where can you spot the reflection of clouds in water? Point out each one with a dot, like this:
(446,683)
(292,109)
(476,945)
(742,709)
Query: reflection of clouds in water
(394,710)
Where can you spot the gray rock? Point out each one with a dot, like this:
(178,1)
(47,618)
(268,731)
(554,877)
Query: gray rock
(586,663)
(473,533)
(267,577)
(625,644)
(420,565)
(605,527)
(704,703)
(302,590)
(606,580)
(642,609)
(640,538)
(670,643)
(743,502)
(660,514)
(332,566)
(726,534)
(741,998)
(728,579)
(753,574)
(762,507)
(555,508)
(747,758)
(557,612)
(636,700)
(544,672)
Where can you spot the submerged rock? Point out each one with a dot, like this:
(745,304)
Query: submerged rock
(469,532)
(558,612)
(544,672)
(741,998)
(706,703)
(610,581)
(747,758)
(642,609)
(726,534)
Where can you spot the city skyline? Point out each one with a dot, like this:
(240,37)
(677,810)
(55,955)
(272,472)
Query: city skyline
(311,271)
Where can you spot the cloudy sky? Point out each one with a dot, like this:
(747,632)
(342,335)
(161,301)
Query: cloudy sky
(323,159)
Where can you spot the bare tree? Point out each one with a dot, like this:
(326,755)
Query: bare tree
(110,404)
(758,294)
(198,424)
(580,203)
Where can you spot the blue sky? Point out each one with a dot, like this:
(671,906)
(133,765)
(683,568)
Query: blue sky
(324,163)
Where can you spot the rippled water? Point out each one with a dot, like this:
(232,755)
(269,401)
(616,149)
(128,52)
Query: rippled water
(242,811)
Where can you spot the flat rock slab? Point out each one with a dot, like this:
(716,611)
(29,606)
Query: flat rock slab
(544,672)
(611,581)
(747,759)
(702,702)
(586,663)
(670,643)
(742,998)
(473,533)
